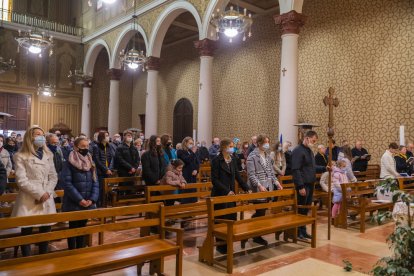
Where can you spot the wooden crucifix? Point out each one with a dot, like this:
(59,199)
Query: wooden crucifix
(331,102)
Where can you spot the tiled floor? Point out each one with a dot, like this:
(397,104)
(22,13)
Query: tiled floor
(362,250)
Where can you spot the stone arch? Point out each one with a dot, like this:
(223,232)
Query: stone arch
(164,21)
(207,28)
(123,39)
(92,54)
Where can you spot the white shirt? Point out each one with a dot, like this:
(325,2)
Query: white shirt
(388,166)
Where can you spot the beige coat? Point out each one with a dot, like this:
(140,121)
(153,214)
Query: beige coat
(34,178)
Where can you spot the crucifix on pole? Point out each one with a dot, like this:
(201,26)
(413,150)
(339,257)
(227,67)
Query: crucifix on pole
(331,102)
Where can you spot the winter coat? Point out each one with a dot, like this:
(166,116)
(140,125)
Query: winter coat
(191,163)
(126,158)
(102,156)
(34,177)
(153,167)
(260,173)
(303,167)
(173,178)
(78,185)
(338,178)
(167,158)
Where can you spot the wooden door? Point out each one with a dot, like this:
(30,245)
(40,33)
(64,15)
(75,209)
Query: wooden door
(19,106)
(183,120)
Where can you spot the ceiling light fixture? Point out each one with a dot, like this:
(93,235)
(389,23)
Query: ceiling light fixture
(232,23)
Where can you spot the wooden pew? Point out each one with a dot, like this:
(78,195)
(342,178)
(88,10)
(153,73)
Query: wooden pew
(406,183)
(373,172)
(204,174)
(96,259)
(166,192)
(358,199)
(233,231)
(134,194)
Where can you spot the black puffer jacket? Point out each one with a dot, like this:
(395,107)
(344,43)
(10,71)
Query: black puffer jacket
(126,158)
(102,156)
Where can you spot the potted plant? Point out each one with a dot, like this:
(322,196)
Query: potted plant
(401,241)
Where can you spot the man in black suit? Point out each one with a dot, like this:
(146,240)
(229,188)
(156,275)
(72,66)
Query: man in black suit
(361,157)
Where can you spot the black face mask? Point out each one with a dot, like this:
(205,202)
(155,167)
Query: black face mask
(84,152)
(169,144)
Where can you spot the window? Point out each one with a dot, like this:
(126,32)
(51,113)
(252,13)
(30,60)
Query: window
(6,8)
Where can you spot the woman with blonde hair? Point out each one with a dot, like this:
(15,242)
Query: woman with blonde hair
(36,178)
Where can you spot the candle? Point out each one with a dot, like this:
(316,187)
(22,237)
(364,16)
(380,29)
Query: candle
(402,137)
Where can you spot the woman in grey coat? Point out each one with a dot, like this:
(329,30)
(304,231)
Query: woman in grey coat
(261,175)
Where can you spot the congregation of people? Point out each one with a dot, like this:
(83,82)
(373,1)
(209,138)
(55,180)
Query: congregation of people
(44,162)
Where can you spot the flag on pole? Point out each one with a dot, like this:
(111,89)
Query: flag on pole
(281,139)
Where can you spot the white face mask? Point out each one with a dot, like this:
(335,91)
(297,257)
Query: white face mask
(142,137)
(266,146)
(128,139)
(1,144)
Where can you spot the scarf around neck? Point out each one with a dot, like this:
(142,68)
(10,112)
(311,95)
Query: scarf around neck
(83,163)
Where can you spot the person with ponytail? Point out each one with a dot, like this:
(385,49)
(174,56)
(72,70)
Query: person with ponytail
(81,187)
(36,178)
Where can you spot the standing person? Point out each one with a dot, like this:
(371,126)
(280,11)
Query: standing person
(388,164)
(11,147)
(288,157)
(191,165)
(127,157)
(202,152)
(253,145)
(52,141)
(153,162)
(279,160)
(261,175)
(103,155)
(36,178)
(138,145)
(346,156)
(361,157)
(224,172)
(81,187)
(3,180)
(168,149)
(304,175)
(335,151)
(321,160)
(19,141)
(338,177)
(5,157)
(116,140)
(213,151)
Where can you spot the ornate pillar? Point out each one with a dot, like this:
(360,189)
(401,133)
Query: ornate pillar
(206,49)
(113,110)
(290,23)
(86,108)
(151,107)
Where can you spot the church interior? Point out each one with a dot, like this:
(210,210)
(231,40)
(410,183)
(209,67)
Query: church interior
(127,81)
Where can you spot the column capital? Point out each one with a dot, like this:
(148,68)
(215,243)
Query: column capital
(290,22)
(205,47)
(114,73)
(88,83)
(153,63)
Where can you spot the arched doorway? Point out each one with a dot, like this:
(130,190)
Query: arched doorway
(183,120)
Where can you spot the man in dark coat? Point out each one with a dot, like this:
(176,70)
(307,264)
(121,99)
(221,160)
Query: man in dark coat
(304,175)
(127,157)
(58,158)
(361,157)
(202,152)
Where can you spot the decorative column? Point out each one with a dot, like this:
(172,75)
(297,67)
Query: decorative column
(86,108)
(113,110)
(290,23)
(151,107)
(206,49)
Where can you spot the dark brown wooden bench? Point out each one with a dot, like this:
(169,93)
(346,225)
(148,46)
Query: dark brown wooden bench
(357,199)
(160,193)
(123,195)
(233,231)
(406,183)
(96,259)
(373,172)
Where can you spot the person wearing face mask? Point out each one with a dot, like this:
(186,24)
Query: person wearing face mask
(224,173)
(5,157)
(36,178)
(103,155)
(253,144)
(116,140)
(202,152)
(19,141)
(338,177)
(153,162)
(81,187)
(191,165)
(304,175)
(52,142)
(261,175)
(213,151)
(279,160)
(168,149)
(388,164)
(11,148)
(127,157)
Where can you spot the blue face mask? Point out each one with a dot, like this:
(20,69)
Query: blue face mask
(266,146)
(39,141)
(230,150)
(53,148)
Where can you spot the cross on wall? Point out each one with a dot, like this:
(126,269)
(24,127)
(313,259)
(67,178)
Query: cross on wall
(284,70)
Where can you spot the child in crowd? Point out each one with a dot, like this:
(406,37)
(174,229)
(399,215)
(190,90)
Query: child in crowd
(338,177)
(174,175)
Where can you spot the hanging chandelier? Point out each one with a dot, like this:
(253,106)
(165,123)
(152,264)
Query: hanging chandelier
(47,90)
(78,77)
(133,58)
(6,65)
(232,23)
(35,42)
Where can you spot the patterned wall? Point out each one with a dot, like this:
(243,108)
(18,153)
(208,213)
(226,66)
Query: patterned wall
(365,49)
